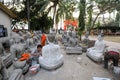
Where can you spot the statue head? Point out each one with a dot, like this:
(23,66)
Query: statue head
(86,34)
(15,38)
(51,38)
(28,35)
(100,37)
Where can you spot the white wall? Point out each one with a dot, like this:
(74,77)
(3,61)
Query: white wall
(1,0)
(6,21)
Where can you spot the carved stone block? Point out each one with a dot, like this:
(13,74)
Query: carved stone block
(73,50)
(7,60)
(17,75)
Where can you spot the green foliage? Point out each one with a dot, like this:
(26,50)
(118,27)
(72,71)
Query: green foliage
(105,6)
(38,20)
(82,16)
(117,17)
(98,24)
(89,11)
(43,23)
(112,23)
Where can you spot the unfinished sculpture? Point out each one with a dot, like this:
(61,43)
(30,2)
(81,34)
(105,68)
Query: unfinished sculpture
(3,72)
(65,38)
(6,57)
(85,42)
(96,52)
(86,39)
(51,55)
(73,47)
(16,74)
(17,49)
(29,39)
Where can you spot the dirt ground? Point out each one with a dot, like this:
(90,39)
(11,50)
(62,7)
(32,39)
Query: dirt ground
(110,38)
(73,70)
(86,69)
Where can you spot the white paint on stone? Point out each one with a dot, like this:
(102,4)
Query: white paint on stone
(6,21)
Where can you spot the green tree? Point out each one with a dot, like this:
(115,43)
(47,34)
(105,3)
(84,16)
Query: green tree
(44,22)
(89,12)
(62,9)
(117,20)
(65,10)
(35,17)
(105,6)
(81,17)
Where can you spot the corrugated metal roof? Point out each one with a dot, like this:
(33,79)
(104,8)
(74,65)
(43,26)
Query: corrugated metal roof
(7,11)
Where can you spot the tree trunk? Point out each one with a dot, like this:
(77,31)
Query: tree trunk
(103,19)
(81,17)
(54,15)
(28,14)
(94,22)
(109,16)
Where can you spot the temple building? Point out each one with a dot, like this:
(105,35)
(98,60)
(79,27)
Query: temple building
(6,16)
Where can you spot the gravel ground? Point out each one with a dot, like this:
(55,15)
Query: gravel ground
(72,70)
(86,69)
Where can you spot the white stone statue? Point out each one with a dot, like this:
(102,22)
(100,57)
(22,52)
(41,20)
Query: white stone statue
(16,74)
(51,56)
(97,51)
(29,41)
(86,39)
(17,49)
(72,46)
(64,37)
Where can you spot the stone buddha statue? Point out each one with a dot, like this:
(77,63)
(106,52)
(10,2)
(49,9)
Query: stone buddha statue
(97,51)
(65,38)
(29,40)
(86,38)
(17,49)
(51,55)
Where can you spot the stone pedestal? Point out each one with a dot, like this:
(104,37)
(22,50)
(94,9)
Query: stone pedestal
(116,72)
(7,60)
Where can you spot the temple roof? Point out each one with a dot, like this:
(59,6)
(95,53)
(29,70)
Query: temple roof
(7,11)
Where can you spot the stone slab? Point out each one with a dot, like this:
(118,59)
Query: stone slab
(100,78)
(73,50)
